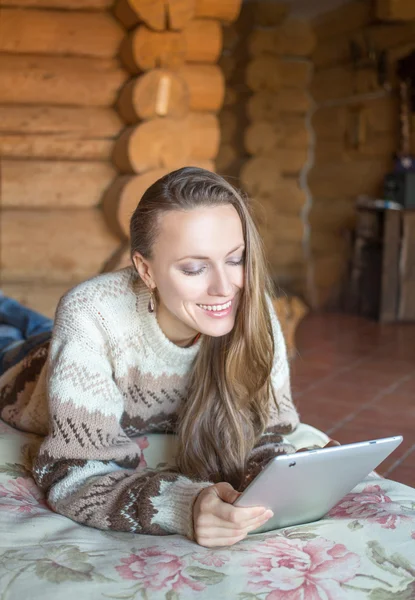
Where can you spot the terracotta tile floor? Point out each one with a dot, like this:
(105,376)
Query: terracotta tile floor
(355,380)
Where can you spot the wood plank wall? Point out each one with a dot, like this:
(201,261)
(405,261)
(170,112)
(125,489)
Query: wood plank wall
(356,127)
(59,79)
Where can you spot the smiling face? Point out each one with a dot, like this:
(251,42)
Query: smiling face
(197,268)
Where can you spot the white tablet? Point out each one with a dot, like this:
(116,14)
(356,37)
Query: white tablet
(303,487)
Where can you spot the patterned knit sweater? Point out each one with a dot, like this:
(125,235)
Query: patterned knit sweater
(107,375)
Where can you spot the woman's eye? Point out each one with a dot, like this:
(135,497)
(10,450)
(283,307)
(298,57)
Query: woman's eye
(236,263)
(198,272)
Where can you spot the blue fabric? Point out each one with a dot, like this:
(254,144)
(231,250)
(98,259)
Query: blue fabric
(21,330)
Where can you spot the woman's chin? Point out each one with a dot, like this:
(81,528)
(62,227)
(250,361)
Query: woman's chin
(218,328)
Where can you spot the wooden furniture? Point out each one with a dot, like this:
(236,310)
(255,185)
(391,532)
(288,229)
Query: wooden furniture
(382,275)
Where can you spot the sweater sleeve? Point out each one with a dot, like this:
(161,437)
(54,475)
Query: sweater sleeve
(87,465)
(283,417)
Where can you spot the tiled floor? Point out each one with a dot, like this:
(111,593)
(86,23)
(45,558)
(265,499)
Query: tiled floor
(355,380)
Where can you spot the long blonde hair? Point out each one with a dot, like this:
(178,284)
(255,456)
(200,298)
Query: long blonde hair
(229,387)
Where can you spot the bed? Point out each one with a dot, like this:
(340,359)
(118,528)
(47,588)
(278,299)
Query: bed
(364,548)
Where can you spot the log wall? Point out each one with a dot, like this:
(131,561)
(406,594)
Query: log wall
(59,79)
(356,129)
(96,102)
(277,139)
(170,103)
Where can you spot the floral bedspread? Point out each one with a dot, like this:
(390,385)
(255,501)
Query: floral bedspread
(364,548)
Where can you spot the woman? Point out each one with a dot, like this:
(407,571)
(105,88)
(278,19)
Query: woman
(185,341)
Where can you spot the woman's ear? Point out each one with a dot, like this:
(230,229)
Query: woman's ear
(144,270)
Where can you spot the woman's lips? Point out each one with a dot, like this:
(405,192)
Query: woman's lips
(218,313)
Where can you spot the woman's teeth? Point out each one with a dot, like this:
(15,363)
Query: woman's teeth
(216,307)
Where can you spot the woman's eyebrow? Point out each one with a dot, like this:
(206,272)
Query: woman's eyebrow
(207,257)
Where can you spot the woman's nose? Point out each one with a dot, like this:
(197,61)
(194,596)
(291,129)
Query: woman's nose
(220,284)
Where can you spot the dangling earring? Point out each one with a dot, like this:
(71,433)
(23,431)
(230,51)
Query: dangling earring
(151,304)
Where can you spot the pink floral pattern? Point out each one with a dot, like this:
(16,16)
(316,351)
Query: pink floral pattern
(293,569)
(21,495)
(211,559)
(157,570)
(373,505)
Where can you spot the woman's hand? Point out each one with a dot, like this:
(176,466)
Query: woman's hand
(217,522)
(328,445)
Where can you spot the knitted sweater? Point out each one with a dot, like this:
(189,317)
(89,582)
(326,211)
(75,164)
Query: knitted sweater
(109,374)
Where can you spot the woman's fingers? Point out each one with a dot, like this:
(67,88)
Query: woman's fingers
(219,523)
(332,443)
(212,520)
(226,536)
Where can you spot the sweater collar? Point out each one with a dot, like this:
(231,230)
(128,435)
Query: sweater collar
(165,350)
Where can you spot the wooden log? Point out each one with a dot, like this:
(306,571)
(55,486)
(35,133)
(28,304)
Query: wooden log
(222,10)
(153,144)
(260,176)
(166,143)
(59,80)
(57,245)
(263,73)
(349,17)
(335,151)
(348,179)
(150,12)
(325,242)
(55,32)
(261,138)
(55,147)
(174,14)
(54,184)
(203,41)
(283,229)
(37,295)
(203,131)
(332,216)
(293,38)
(282,254)
(268,106)
(66,5)
(295,73)
(144,49)
(122,198)
(289,161)
(286,198)
(206,86)
(395,10)
(269,13)
(157,93)
(341,82)
(180,13)
(270,73)
(83,122)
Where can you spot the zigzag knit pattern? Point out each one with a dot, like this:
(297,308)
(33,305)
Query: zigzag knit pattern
(107,375)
